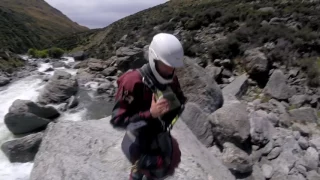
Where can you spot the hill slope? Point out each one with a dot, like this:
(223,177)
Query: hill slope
(212,29)
(32,23)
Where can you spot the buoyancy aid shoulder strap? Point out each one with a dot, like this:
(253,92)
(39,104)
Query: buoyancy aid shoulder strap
(146,80)
(157,92)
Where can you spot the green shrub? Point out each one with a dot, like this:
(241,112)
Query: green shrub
(55,52)
(195,50)
(314,24)
(189,44)
(32,52)
(213,14)
(226,48)
(168,26)
(228,18)
(184,20)
(312,68)
(306,34)
(231,26)
(10,64)
(243,34)
(41,54)
(279,54)
(52,53)
(202,18)
(313,74)
(272,33)
(193,24)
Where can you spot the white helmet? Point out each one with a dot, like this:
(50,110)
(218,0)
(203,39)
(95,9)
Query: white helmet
(168,49)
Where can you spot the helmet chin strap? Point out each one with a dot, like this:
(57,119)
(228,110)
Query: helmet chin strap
(160,79)
(156,74)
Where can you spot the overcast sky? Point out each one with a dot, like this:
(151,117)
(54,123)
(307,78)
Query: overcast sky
(100,13)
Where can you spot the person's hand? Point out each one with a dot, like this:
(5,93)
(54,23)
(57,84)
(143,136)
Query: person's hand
(159,108)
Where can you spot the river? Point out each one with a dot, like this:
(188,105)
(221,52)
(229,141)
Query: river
(28,88)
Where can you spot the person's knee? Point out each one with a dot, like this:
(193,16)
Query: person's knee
(130,149)
(176,156)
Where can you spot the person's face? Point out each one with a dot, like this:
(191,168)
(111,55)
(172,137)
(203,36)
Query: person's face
(163,69)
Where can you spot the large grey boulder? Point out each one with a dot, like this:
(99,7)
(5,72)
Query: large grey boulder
(198,122)
(289,142)
(59,88)
(26,116)
(83,76)
(271,117)
(58,64)
(304,115)
(96,64)
(313,175)
(199,88)
(73,102)
(281,108)
(290,153)
(261,129)
(267,171)
(256,63)
(110,71)
(127,51)
(213,71)
(284,162)
(311,159)
(4,81)
(315,101)
(92,150)
(22,149)
(46,78)
(298,100)
(80,55)
(275,152)
(266,9)
(304,130)
(23,106)
(236,159)
(296,177)
(104,87)
(81,64)
(146,52)
(231,123)
(277,20)
(268,147)
(257,173)
(300,169)
(129,58)
(315,142)
(279,175)
(48,69)
(238,87)
(277,86)
(304,144)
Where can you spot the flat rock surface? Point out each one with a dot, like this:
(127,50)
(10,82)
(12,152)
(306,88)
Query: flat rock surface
(92,150)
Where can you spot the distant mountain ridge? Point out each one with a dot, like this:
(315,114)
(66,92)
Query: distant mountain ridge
(32,23)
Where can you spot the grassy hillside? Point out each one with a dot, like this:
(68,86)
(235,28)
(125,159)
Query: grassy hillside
(235,16)
(212,29)
(32,23)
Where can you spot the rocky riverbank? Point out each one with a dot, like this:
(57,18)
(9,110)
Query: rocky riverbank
(243,126)
(13,67)
(251,78)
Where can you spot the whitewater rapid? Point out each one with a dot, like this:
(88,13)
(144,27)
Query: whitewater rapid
(27,88)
